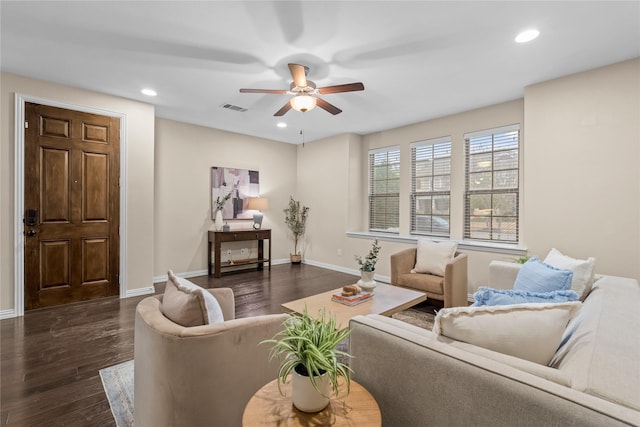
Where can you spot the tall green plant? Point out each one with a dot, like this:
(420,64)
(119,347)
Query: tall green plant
(295,216)
(312,344)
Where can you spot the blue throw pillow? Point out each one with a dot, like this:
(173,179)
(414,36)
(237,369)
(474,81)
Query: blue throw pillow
(489,296)
(536,276)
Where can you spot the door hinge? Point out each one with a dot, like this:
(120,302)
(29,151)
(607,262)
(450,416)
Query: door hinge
(26,125)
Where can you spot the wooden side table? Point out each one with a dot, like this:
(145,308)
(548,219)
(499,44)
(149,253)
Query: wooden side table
(217,238)
(268,407)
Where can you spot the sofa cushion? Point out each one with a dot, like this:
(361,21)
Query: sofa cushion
(422,282)
(529,331)
(433,257)
(601,346)
(187,304)
(536,276)
(489,296)
(583,270)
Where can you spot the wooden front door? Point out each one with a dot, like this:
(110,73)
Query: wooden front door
(72,206)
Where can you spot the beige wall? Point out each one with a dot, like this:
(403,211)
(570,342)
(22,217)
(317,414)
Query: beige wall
(329,185)
(580,148)
(139,175)
(582,167)
(184,156)
(338,198)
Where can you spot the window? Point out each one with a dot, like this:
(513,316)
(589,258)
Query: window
(384,189)
(492,188)
(431,186)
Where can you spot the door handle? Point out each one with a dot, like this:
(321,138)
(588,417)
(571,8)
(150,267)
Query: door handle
(31,217)
(31,233)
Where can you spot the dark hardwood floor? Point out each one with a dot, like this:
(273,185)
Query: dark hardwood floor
(50,358)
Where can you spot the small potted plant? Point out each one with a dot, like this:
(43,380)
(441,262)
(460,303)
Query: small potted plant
(295,216)
(368,267)
(308,349)
(220,201)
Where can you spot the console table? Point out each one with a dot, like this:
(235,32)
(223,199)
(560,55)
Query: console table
(217,238)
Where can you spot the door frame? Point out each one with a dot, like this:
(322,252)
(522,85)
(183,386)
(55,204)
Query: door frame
(19,238)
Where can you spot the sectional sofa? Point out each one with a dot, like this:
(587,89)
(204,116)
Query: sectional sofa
(420,378)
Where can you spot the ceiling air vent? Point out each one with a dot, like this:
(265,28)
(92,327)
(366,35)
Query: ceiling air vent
(233,107)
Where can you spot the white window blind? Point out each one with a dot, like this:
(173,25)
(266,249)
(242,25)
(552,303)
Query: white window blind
(384,189)
(431,187)
(492,184)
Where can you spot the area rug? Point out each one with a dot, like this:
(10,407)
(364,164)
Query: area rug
(117,380)
(422,317)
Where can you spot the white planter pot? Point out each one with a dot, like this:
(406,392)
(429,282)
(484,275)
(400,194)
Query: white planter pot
(305,397)
(366,281)
(218,221)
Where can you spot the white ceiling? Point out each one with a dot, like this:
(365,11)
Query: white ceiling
(417,59)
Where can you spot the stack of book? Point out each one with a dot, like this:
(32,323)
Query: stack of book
(351,300)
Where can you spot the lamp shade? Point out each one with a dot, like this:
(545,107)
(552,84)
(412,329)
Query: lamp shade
(258,204)
(303,103)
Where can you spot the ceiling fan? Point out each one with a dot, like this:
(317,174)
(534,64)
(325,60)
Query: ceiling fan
(305,92)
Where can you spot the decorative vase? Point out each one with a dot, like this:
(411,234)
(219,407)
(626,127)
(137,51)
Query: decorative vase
(305,397)
(218,220)
(366,281)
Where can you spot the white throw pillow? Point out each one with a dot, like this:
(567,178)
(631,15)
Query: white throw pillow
(187,304)
(433,257)
(583,270)
(529,331)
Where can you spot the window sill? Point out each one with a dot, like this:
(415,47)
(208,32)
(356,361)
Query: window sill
(501,248)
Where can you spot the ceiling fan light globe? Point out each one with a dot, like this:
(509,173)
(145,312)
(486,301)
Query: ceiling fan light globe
(303,103)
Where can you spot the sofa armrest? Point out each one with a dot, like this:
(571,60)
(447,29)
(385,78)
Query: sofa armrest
(402,263)
(456,282)
(502,274)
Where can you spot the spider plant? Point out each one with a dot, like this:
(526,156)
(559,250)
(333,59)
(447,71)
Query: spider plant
(309,345)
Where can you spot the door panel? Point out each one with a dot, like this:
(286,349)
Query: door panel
(54,190)
(95,261)
(95,179)
(54,258)
(72,169)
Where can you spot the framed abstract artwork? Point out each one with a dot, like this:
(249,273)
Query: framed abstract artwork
(241,183)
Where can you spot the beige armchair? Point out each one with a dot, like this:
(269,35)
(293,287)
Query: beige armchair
(452,288)
(201,375)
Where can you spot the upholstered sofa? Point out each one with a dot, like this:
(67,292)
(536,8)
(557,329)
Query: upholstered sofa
(420,378)
(199,375)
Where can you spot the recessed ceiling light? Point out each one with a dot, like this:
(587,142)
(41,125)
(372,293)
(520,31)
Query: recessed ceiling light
(149,92)
(527,36)
(282,125)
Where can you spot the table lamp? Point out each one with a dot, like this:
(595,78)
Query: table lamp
(258,204)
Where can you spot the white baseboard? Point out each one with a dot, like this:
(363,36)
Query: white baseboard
(163,278)
(353,271)
(139,291)
(186,275)
(7,314)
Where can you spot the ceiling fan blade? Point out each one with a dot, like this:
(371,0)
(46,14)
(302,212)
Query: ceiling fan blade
(328,107)
(349,87)
(299,74)
(281,112)
(273,91)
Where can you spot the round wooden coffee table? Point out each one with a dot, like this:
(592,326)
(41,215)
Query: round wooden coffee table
(268,407)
